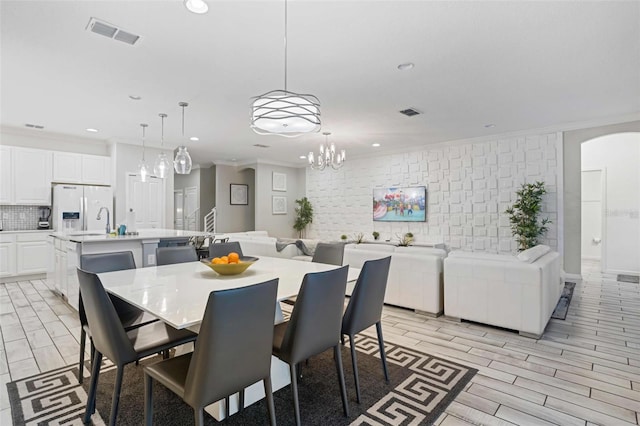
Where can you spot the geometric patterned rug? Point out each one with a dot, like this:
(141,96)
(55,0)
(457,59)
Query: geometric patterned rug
(421,387)
(560,312)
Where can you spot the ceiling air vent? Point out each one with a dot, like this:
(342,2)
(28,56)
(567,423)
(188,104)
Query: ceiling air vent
(259,145)
(410,112)
(34,126)
(108,30)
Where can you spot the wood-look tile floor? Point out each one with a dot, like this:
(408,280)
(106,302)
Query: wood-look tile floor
(584,371)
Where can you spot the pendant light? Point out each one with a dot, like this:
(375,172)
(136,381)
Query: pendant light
(285,113)
(143,169)
(182,162)
(327,156)
(162,165)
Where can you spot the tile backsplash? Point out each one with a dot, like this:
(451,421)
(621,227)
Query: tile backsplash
(19,218)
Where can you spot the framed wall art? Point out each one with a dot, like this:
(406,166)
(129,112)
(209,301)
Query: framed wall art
(238,194)
(279,205)
(279,181)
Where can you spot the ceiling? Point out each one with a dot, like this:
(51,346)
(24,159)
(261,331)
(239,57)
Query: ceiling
(518,65)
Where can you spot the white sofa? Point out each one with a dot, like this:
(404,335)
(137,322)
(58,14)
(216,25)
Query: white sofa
(259,243)
(415,275)
(502,290)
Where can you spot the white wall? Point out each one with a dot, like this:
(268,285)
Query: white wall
(234,218)
(277,225)
(469,185)
(618,156)
(125,159)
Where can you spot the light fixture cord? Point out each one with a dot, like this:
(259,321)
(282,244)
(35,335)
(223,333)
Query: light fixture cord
(162,133)
(285,45)
(143,133)
(183,121)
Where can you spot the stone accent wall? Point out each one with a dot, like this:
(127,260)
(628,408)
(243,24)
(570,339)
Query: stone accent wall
(469,186)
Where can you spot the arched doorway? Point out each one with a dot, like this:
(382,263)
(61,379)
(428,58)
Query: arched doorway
(572,200)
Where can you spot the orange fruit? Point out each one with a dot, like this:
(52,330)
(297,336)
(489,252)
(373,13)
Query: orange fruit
(234,257)
(224,260)
(215,260)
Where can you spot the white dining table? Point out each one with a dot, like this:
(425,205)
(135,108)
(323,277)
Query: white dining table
(177,294)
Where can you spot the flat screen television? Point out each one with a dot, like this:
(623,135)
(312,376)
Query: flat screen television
(400,204)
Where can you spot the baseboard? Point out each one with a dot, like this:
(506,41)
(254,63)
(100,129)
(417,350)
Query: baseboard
(16,278)
(572,277)
(620,272)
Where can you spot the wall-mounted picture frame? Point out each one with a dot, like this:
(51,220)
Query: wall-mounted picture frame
(238,194)
(279,205)
(279,181)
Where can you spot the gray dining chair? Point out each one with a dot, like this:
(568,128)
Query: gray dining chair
(130,317)
(223,249)
(180,254)
(314,327)
(113,341)
(365,309)
(229,355)
(330,253)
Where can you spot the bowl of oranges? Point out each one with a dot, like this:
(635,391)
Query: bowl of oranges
(231,264)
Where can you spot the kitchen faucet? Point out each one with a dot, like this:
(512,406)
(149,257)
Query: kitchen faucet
(108,227)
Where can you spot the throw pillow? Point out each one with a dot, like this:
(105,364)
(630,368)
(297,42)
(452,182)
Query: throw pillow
(534,253)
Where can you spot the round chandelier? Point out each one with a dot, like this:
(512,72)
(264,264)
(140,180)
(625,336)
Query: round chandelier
(285,113)
(327,156)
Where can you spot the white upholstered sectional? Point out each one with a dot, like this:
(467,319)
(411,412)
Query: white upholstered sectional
(501,290)
(415,275)
(259,243)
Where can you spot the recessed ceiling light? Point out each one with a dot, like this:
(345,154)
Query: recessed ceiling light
(92,130)
(375,145)
(135,97)
(194,138)
(406,66)
(196,6)
(488,126)
(302,157)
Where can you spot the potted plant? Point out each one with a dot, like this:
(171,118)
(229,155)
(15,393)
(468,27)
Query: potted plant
(523,215)
(376,235)
(359,238)
(343,237)
(304,216)
(405,240)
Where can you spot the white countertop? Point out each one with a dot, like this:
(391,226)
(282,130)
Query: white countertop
(143,234)
(27,231)
(178,293)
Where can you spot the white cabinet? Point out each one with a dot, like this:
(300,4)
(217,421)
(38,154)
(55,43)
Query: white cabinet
(147,201)
(32,176)
(25,176)
(6,175)
(81,168)
(32,254)
(96,170)
(67,167)
(7,255)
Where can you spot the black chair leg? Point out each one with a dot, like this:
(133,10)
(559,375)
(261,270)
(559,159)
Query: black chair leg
(354,362)
(342,339)
(116,395)
(269,396)
(165,354)
(383,356)
(148,400)
(227,407)
(241,400)
(294,391)
(343,387)
(91,397)
(199,414)
(83,340)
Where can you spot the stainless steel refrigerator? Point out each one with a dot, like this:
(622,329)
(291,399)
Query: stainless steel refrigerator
(76,207)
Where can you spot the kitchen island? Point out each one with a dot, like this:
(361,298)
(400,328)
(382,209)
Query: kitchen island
(67,249)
